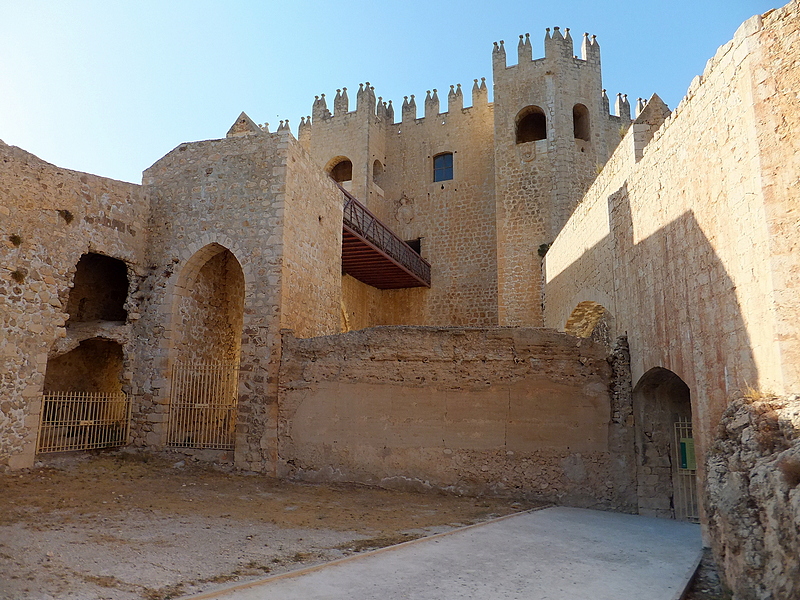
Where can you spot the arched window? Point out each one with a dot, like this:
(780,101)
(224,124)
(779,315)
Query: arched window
(531,125)
(443,166)
(580,122)
(377,171)
(342,171)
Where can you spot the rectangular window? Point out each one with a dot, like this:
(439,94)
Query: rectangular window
(443,167)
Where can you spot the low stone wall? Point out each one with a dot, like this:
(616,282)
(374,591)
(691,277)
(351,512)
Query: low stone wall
(753,497)
(517,412)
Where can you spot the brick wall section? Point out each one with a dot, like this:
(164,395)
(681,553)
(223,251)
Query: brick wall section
(521,412)
(108,217)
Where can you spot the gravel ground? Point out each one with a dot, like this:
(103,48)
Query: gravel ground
(125,527)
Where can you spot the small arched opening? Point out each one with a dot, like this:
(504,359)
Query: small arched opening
(99,290)
(531,125)
(591,320)
(341,170)
(666,464)
(207,332)
(377,172)
(580,122)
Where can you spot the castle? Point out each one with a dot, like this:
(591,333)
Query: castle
(531,296)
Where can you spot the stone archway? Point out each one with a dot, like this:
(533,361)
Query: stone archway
(208,316)
(666,469)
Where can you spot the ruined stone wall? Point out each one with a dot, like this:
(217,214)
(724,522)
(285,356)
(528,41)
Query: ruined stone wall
(685,236)
(312,248)
(209,197)
(753,497)
(519,412)
(210,314)
(49,218)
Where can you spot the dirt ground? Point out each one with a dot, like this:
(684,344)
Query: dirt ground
(124,527)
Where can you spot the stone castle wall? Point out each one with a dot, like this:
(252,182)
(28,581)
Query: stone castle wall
(538,183)
(209,197)
(49,218)
(523,412)
(454,219)
(682,238)
(312,248)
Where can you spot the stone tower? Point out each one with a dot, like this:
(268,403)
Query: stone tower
(552,134)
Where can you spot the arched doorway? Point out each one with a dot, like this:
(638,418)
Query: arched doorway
(206,345)
(666,466)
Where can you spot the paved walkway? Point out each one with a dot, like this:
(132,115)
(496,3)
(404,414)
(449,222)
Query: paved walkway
(550,554)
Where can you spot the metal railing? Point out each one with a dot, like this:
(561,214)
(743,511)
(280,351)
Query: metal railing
(203,402)
(83,421)
(360,221)
(685,475)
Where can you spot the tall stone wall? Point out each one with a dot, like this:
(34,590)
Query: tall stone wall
(454,219)
(686,237)
(49,218)
(523,412)
(207,198)
(312,248)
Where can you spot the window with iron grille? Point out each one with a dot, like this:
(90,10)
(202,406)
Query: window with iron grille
(443,167)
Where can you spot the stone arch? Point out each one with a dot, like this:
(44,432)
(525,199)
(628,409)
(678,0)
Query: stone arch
(666,485)
(581,125)
(591,319)
(340,169)
(208,306)
(530,125)
(205,350)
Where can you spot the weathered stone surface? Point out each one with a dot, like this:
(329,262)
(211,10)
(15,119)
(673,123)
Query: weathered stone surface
(753,497)
(500,411)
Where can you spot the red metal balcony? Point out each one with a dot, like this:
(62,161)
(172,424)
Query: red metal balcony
(373,254)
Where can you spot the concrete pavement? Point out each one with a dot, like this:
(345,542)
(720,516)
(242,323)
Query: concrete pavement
(551,554)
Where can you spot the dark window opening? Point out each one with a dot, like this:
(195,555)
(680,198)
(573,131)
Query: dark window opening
(99,291)
(443,167)
(580,122)
(377,172)
(416,245)
(342,171)
(531,125)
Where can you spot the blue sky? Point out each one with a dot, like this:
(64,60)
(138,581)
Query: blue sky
(110,86)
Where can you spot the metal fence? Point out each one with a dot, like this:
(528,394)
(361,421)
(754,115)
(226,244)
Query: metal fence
(83,421)
(685,475)
(203,403)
